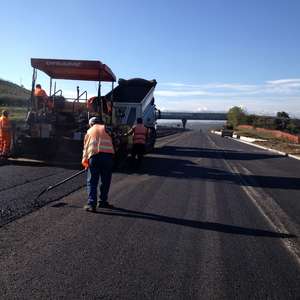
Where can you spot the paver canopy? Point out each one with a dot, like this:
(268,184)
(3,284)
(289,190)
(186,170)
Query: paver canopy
(74,69)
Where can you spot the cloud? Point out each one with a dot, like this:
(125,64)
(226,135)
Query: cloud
(269,96)
(283,86)
(202,108)
(210,86)
(174,93)
(232,86)
(275,87)
(285,82)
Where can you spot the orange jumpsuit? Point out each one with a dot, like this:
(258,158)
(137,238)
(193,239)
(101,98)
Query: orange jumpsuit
(5,136)
(43,98)
(40,93)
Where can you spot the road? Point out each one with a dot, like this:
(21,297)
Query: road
(204,218)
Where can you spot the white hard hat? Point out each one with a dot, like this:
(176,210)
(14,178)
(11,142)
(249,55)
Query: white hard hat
(93,121)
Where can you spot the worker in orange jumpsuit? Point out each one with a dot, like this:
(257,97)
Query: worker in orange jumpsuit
(5,135)
(42,97)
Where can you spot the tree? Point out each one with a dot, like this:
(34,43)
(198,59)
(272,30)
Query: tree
(282,115)
(236,116)
(293,126)
(250,119)
(282,120)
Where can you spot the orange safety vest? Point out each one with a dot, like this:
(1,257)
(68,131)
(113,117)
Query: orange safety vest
(139,134)
(96,140)
(4,125)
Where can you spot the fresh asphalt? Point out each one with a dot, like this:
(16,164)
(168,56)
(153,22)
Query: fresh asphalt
(205,217)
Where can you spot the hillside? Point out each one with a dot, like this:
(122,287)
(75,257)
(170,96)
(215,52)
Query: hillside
(12,94)
(14,98)
(12,89)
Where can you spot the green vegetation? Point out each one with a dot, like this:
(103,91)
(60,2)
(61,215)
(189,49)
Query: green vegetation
(12,89)
(14,98)
(13,101)
(237,116)
(282,121)
(12,94)
(16,114)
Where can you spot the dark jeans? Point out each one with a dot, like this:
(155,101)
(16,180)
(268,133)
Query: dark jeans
(100,165)
(138,150)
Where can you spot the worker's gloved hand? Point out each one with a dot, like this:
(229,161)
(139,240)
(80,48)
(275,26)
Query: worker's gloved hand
(85,163)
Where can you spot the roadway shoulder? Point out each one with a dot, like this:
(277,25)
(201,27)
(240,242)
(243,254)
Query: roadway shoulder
(261,147)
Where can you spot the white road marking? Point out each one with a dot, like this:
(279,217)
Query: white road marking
(272,212)
(269,209)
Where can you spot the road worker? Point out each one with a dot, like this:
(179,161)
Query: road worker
(140,133)
(5,135)
(43,99)
(97,158)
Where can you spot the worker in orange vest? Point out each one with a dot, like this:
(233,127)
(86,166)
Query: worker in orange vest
(97,158)
(5,135)
(140,133)
(43,99)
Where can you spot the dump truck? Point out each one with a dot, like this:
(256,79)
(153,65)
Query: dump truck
(55,129)
(134,99)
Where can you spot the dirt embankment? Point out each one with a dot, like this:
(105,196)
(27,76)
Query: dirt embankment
(270,141)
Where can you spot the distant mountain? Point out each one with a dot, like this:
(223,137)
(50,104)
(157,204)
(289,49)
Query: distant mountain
(12,94)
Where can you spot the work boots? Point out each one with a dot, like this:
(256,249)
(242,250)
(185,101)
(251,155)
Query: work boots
(104,204)
(90,208)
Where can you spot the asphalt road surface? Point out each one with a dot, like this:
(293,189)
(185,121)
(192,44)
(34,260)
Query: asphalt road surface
(204,218)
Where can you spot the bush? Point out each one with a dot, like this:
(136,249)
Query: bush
(292,127)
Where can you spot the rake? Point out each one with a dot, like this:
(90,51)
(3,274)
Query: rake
(49,188)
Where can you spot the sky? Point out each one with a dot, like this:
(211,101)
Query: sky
(206,55)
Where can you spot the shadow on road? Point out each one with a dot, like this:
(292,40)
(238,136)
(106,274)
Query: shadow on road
(40,163)
(187,169)
(231,229)
(212,153)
